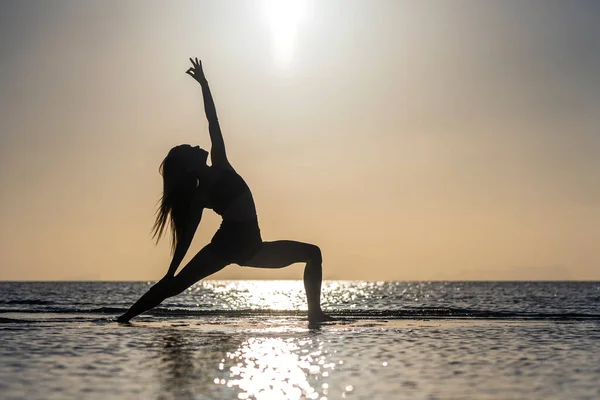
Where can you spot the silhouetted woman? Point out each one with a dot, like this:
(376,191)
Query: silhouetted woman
(190,186)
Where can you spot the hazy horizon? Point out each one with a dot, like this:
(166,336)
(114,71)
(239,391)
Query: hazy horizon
(410,141)
(324,280)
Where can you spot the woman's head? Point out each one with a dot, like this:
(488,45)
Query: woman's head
(186,157)
(180,171)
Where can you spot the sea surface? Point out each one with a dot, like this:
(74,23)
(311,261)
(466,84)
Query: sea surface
(251,340)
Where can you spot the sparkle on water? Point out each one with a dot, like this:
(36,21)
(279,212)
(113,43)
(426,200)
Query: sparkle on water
(276,295)
(270,367)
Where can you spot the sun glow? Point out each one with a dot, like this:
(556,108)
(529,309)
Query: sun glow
(284,18)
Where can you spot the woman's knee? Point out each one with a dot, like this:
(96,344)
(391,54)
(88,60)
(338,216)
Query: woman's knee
(314,254)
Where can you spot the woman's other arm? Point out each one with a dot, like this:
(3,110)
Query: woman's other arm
(186,240)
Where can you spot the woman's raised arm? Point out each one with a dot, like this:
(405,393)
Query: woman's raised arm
(217,152)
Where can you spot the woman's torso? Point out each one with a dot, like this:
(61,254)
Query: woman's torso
(230,197)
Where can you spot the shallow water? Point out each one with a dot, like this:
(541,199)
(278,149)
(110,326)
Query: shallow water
(541,341)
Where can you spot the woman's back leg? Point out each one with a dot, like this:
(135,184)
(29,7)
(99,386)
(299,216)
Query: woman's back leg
(203,264)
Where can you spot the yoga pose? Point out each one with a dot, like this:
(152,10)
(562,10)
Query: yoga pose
(190,186)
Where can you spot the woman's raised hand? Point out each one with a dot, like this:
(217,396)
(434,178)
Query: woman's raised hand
(195,71)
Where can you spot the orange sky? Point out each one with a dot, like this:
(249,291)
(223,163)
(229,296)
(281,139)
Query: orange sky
(410,140)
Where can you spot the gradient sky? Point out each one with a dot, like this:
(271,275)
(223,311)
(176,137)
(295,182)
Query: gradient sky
(409,139)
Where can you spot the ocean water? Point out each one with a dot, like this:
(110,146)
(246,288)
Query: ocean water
(250,340)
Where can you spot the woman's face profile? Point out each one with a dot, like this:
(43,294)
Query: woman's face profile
(194,157)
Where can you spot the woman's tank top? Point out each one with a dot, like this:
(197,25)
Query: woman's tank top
(225,190)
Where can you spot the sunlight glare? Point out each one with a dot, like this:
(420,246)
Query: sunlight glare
(284,17)
(278,295)
(278,368)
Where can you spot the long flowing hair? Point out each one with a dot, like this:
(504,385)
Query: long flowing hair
(176,201)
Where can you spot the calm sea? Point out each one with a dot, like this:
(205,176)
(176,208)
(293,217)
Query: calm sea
(250,339)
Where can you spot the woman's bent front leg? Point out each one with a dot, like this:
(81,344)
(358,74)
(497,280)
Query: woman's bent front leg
(202,265)
(281,253)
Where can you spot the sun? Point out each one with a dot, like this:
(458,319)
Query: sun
(284,18)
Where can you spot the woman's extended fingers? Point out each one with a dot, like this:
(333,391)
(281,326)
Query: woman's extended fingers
(195,70)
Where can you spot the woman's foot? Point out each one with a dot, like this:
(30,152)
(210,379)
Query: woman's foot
(318,317)
(123,319)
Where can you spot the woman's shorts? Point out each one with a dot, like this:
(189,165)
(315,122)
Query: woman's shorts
(236,241)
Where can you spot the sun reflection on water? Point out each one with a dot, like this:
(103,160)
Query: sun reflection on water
(277,368)
(262,295)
